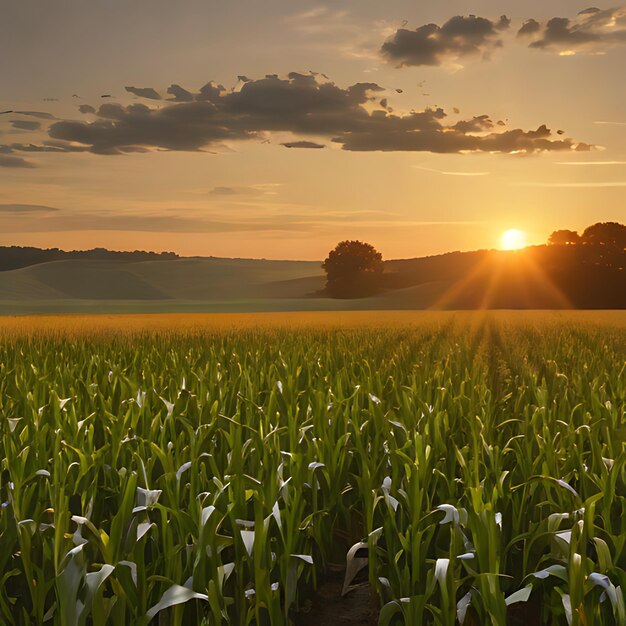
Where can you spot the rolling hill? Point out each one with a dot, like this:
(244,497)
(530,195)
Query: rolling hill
(194,284)
(540,277)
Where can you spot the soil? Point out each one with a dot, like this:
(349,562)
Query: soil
(327,607)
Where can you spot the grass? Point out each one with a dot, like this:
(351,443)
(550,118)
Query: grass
(209,469)
(189,280)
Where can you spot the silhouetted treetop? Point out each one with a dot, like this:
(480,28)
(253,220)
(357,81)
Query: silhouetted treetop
(606,233)
(564,238)
(353,269)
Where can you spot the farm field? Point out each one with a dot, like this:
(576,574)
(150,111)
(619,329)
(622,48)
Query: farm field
(447,468)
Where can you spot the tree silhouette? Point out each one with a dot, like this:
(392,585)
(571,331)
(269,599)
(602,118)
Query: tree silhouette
(606,234)
(353,270)
(564,238)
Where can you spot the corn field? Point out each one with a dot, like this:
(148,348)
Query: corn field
(472,470)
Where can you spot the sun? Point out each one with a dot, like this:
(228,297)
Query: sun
(513,239)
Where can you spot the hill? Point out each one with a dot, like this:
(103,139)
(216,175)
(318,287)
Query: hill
(14,257)
(539,277)
(180,279)
(548,276)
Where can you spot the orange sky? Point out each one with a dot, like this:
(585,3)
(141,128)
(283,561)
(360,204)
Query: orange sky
(205,172)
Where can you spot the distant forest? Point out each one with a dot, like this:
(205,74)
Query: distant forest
(14,257)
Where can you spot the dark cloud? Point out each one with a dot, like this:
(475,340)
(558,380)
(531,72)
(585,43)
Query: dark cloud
(256,190)
(180,94)
(529,27)
(460,37)
(224,191)
(144,92)
(26,208)
(86,108)
(40,114)
(302,144)
(296,104)
(477,124)
(510,142)
(210,91)
(45,146)
(589,11)
(14,161)
(299,105)
(592,30)
(25,125)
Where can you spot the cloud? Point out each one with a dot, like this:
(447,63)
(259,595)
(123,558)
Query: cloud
(292,223)
(262,189)
(339,30)
(577,185)
(459,38)
(224,191)
(298,104)
(27,208)
(45,146)
(446,173)
(40,114)
(144,92)
(317,19)
(302,144)
(86,108)
(476,124)
(591,163)
(529,27)
(428,134)
(154,223)
(592,31)
(25,125)
(14,161)
(234,191)
(179,94)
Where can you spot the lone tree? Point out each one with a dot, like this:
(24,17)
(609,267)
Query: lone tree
(564,238)
(353,270)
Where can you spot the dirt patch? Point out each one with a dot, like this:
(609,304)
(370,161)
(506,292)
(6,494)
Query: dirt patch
(327,607)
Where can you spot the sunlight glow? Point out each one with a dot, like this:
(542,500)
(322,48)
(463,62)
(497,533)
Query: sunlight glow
(513,239)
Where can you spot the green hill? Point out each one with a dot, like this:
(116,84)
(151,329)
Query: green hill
(539,277)
(190,279)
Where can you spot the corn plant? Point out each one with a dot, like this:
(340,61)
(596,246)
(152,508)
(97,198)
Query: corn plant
(472,467)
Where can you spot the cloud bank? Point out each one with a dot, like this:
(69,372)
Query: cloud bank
(302,105)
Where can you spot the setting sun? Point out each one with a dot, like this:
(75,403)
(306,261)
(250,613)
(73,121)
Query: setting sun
(513,239)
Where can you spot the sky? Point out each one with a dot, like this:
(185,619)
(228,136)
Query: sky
(276,129)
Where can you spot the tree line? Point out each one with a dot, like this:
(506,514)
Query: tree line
(611,234)
(588,269)
(15,257)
